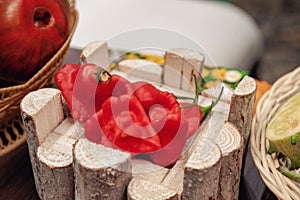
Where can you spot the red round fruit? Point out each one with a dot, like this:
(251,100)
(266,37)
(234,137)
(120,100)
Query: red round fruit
(31,32)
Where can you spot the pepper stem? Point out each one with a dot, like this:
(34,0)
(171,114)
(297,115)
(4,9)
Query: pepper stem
(102,76)
(204,109)
(289,174)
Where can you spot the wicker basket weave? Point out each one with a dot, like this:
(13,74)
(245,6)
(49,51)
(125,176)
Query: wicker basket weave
(283,88)
(10,97)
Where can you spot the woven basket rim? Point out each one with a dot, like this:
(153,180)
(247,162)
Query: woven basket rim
(32,82)
(283,88)
(46,66)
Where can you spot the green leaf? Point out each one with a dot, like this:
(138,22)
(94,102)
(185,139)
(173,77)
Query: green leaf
(139,56)
(208,78)
(205,110)
(295,138)
(272,148)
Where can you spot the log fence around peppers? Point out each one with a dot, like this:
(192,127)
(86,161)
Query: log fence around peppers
(134,117)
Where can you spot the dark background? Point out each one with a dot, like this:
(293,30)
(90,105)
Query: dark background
(279,21)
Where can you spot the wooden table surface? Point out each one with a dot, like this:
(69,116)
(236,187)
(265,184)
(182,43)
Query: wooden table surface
(16,178)
(17,183)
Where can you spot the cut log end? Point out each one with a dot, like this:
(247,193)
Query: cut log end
(246,87)
(229,139)
(100,172)
(231,144)
(242,107)
(36,108)
(35,101)
(56,151)
(195,57)
(140,189)
(146,170)
(205,155)
(96,53)
(95,156)
(181,65)
(202,170)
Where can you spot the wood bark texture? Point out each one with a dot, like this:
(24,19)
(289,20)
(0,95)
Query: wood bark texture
(242,107)
(66,167)
(231,144)
(202,172)
(100,172)
(36,110)
(163,184)
(180,67)
(56,171)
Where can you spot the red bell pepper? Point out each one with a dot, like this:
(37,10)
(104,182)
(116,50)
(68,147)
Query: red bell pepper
(86,87)
(145,92)
(145,121)
(134,117)
(188,125)
(125,124)
(136,124)
(65,79)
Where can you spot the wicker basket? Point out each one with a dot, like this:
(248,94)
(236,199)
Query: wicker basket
(280,185)
(10,97)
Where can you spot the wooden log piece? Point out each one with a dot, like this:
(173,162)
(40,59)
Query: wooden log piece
(161,184)
(36,109)
(96,53)
(230,142)
(145,69)
(141,189)
(180,67)
(213,124)
(146,170)
(213,93)
(174,179)
(146,181)
(100,172)
(56,171)
(202,171)
(242,107)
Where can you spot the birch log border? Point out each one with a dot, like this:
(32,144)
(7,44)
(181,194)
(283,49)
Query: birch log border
(242,107)
(96,53)
(161,184)
(55,160)
(100,172)
(35,108)
(230,142)
(167,184)
(202,172)
(183,63)
(94,178)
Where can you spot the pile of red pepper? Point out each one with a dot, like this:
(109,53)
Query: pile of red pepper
(134,117)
